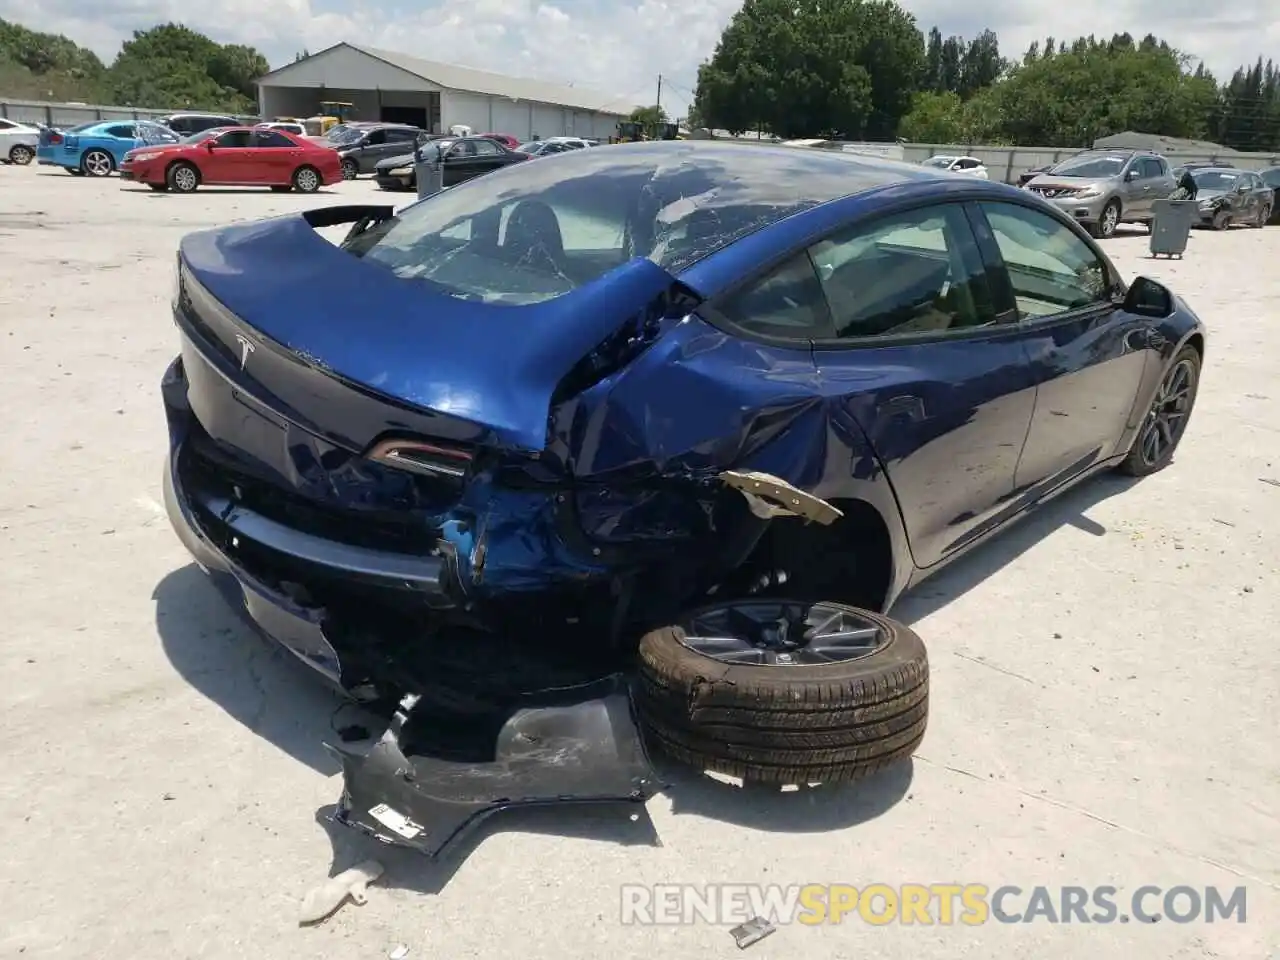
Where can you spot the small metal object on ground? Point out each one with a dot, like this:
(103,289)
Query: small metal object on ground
(753,931)
(1171,226)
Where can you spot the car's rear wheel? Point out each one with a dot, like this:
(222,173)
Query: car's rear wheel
(1108,221)
(1167,418)
(785,691)
(183,178)
(306,180)
(350,170)
(97,163)
(21,154)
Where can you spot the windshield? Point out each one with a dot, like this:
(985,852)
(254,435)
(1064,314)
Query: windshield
(1214,179)
(343,134)
(154,133)
(202,135)
(939,162)
(1093,166)
(532,233)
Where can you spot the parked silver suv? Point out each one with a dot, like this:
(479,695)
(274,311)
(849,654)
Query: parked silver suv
(1104,188)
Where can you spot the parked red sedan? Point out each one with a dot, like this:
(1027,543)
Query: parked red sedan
(235,156)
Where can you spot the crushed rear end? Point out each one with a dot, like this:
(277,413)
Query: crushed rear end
(463,508)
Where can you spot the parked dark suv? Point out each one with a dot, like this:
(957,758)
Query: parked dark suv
(185,124)
(361,147)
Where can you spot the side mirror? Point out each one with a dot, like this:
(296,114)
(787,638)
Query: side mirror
(208,145)
(1148,298)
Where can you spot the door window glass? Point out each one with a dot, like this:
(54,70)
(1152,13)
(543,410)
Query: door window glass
(1051,269)
(271,138)
(484,148)
(234,138)
(914,272)
(375,138)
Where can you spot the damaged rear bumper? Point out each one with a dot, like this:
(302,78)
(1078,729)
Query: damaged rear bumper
(578,744)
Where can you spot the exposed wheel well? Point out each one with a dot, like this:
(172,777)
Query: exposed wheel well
(850,561)
(1196,341)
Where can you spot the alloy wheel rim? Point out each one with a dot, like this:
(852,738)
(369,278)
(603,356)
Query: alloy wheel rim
(782,633)
(306,180)
(98,164)
(184,179)
(348,171)
(22,155)
(1168,415)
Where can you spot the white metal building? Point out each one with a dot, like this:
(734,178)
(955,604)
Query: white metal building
(397,88)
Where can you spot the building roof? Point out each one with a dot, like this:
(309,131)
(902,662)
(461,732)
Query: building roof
(453,77)
(1131,140)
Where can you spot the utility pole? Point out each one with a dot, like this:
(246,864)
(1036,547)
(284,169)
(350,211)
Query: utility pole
(658,102)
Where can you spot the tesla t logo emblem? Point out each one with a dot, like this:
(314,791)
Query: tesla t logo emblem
(246,348)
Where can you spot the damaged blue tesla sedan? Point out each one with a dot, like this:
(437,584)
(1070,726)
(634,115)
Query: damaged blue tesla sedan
(669,425)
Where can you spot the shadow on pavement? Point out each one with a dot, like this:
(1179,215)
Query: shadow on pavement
(260,685)
(1009,544)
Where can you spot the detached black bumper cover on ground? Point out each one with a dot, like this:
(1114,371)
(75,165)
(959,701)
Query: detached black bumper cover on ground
(422,786)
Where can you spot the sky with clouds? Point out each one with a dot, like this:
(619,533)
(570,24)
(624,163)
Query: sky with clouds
(619,47)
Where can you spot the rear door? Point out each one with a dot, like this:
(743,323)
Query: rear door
(120,139)
(1088,357)
(275,158)
(920,358)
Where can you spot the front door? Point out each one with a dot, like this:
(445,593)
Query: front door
(921,360)
(1088,357)
(230,159)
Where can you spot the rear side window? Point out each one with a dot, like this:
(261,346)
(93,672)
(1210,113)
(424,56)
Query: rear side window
(917,272)
(1050,269)
(786,303)
(271,138)
(124,131)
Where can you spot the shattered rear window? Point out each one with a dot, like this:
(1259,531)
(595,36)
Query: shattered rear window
(536,231)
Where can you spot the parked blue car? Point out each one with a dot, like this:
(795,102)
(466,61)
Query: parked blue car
(687,412)
(97,149)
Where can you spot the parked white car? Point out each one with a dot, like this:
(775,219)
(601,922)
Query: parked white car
(18,141)
(297,129)
(969,166)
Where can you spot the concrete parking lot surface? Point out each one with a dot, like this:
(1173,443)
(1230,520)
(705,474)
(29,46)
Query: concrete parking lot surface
(1105,706)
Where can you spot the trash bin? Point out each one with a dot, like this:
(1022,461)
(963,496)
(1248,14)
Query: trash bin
(1171,226)
(428,170)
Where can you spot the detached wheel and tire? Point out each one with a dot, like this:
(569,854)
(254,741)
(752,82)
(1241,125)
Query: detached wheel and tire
(785,691)
(183,178)
(1107,223)
(97,163)
(1166,420)
(306,180)
(21,155)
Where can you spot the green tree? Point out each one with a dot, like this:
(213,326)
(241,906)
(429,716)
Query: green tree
(172,65)
(813,68)
(648,116)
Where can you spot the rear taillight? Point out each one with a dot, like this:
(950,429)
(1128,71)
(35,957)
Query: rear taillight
(55,138)
(418,456)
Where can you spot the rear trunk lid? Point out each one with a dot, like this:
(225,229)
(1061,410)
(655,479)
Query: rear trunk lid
(349,352)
